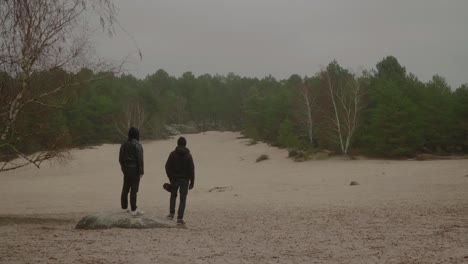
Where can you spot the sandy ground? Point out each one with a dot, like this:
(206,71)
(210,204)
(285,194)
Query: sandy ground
(275,211)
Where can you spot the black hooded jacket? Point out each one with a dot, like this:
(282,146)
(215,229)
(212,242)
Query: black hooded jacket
(131,152)
(180,165)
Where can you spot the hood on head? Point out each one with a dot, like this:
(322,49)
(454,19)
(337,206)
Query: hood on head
(133,133)
(182,142)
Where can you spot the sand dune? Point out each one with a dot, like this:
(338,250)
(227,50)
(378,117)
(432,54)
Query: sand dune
(275,211)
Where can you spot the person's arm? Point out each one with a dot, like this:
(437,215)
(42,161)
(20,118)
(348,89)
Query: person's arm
(192,173)
(121,157)
(169,167)
(141,167)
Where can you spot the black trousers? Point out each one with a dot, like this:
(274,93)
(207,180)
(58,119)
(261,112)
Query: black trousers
(131,182)
(181,186)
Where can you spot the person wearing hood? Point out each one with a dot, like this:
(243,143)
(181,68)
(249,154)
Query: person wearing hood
(131,163)
(181,173)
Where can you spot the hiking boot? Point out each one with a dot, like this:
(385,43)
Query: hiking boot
(180,222)
(170,216)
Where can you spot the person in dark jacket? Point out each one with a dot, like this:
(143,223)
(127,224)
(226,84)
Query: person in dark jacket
(131,163)
(181,173)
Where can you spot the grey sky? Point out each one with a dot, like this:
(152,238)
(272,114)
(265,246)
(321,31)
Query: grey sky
(261,37)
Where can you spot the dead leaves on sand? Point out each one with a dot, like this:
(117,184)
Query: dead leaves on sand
(221,189)
(262,158)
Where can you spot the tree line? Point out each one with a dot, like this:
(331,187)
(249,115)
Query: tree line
(384,112)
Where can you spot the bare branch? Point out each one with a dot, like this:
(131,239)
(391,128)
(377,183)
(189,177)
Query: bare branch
(41,36)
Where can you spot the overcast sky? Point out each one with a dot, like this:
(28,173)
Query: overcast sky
(282,37)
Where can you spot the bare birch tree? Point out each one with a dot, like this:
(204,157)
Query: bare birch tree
(346,100)
(307,107)
(41,36)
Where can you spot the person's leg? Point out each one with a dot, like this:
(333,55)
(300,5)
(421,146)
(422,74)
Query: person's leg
(183,199)
(172,202)
(134,185)
(125,190)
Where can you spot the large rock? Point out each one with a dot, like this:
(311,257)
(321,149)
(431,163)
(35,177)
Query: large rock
(172,130)
(186,129)
(177,129)
(106,220)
